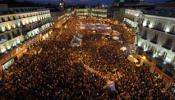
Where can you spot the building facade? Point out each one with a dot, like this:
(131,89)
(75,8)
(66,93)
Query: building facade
(157,40)
(92,12)
(18,25)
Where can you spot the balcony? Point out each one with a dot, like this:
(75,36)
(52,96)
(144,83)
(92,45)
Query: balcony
(168,44)
(16,33)
(144,36)
(159,27)
(173,49)
(149,52)
(34,25)
(9,35)
(159,62)
(155,39)
(172,31)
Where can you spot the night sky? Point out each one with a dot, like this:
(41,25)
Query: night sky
(85,1)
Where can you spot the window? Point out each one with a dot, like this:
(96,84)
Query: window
(22,16)
(168,44)
(21,10)
(17,10)
(14,18)
(13,26)
(144,36)
(155,39)
(15,34)
(2,49)
(23,23)
(150,50)
(2,28)
(19,32)
(3,19)
(17,17)
(9,19)
(9,36)
(30,21)
(8,27)
(18,24)
(159,26)
(2,38)
(173,30)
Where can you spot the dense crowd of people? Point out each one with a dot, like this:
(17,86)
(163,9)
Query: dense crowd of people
(58,72)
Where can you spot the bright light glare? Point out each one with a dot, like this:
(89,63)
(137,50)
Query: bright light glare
(151,25)
(144,23)
(167,29)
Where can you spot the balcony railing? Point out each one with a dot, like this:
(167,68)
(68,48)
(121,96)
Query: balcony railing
(20,10)
(168,44)
(34,25)
(149,52)
(155,39)
(144,36)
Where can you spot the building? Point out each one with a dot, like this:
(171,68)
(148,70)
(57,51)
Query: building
(92,12)
(61,4)
(127,1)
(156,40)
(17,27)
(133,1)
(3,6)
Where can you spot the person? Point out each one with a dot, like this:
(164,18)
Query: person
(112,92)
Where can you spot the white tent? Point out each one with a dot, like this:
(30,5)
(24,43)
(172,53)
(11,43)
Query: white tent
(123,48)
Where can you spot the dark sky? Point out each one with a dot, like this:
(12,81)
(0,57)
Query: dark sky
(85,1)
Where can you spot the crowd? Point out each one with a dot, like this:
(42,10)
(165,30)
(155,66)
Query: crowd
(57,72)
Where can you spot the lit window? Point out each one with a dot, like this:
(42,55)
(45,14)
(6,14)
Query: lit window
(8,46)
(27,22)
(2,49)
(18,41)
(13,26)
(144,22)
(14,43)
(2,28)
(145,48)
(8,27)
(35,19)
(18,24)
(140,43)
(151,25)
(3,19)
(30,21)
(167,29)
(23,23)
(168,59)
